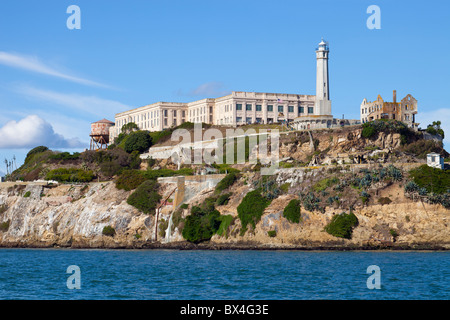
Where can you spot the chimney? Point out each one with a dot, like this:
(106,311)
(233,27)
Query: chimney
(395,96)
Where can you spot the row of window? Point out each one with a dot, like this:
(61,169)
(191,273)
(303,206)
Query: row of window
(258,107)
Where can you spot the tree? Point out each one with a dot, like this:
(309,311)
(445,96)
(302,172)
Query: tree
(435,128)
(129,127)
(138,141)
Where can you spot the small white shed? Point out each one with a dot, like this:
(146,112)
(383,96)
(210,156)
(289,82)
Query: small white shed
(435,160)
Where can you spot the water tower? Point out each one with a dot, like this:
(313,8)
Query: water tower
(100,134)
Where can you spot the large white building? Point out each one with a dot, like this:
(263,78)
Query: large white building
(302,111)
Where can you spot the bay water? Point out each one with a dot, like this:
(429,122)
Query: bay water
(66,274)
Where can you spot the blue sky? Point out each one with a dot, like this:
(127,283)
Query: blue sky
(54,81)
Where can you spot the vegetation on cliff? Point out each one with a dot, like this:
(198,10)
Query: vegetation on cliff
(342,225)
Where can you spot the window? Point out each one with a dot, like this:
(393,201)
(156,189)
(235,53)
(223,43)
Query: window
(310,109)
(301,109)
(238,119)
(165,115)
(248,120)
(290,108)
(183,113)
(210,109)
(280,108)
(269,108)
(165,122)
(174,113)
(258,120)
(258,107)
(238,106)
(248,107)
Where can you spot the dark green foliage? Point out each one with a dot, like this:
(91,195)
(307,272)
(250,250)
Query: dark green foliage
(435,128)
(129,127)
(272,233)
(292,211)
(384,200)
(70,175)
(368,130)
(130,180)
(203,222)
(146,197)
(227,181)
(4,226)
(223,199)
(65,156)
(432,179)
(251,209)
(184,206)
(108,231)
(342,225)
(27,194)
(138,141)
(35,151)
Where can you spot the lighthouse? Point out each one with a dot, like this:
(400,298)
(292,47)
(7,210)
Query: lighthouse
(322,102)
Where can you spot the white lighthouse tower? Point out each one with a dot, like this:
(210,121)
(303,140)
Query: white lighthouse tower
(323,102)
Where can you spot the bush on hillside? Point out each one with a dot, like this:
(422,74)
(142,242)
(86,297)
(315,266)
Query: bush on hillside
(146,197)
(432,179)
(251,209)
(292,211)
(342,225)
(70,175)
(35,151)
(139,141)
(227,182)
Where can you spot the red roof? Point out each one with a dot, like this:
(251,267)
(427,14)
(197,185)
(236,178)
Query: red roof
(105,121)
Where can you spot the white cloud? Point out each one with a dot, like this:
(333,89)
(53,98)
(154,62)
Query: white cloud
(210,89)
(34,131)
(90,104)
(33,64)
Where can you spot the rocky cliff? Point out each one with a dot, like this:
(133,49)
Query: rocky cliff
(75,215)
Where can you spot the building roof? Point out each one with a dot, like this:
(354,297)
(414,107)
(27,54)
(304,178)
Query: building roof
(104,121)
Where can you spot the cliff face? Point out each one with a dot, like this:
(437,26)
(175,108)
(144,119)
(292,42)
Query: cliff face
(74,216)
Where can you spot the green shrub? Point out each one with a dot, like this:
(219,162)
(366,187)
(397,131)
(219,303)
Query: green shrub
(35,151)
(4,226)
(384,200)
(272,233)
(432,179)
(368,130)
(227,182)
(184,206)
(108,231)
(226,221)
(3,208)
(342,225)
(27,194)
(70,175)
(200,225)
(223,199)
(292,211)
(130,180)
(146,197)
(251,209)
(139,141)
(64,156)
(325,183)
